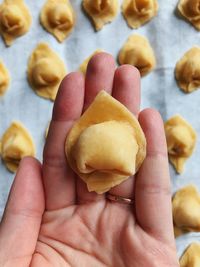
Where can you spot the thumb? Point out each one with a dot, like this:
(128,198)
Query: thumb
(22,217)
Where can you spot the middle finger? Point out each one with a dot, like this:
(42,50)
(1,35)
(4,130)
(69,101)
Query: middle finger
(126,89)
(99,76)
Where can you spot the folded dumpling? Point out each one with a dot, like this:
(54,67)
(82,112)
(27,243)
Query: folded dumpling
(181,141)
(4,79)
(15,144)
(15,20)
(191,256)
(106,145)
(58,18)
(45,71)
(101,11)
(186,210)
(138,52)
(190,10)
(187,70)
(139,12)
(47,130)
(83,66)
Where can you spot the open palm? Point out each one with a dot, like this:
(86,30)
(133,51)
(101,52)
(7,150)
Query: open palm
(52,220)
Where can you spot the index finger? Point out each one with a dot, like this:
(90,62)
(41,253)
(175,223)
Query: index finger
(59,180)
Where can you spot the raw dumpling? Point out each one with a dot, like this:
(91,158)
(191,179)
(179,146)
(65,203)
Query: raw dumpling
(101,11)
(16,143)
(47,130)
(45,71)
(58,18)
(139,12)
(191,256)
(187,70)
(83,66)
(190,10)
(15,20)
(4,79)
(186,210)
(106,145)
(138,52)
(181,141)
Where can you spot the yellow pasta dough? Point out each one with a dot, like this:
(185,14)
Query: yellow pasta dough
(186,210)
(187,70)
(106,145)
(139,12)
(45,71)
(47,130)
(101,11)
(178,231)
(16,143)
(138,52)
(83,66)
(191,256)
(181,141)
(58,18)
(190,10)
(4,79)
(15,20)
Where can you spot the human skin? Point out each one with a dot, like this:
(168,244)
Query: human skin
(51,220)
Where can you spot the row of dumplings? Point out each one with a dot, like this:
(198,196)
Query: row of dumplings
(58,16)
(138,52)
(186,218)
(46,69)
(137,12)
(181,138)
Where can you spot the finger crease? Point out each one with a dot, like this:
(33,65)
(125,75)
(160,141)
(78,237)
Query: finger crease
(154,189)
(54,162)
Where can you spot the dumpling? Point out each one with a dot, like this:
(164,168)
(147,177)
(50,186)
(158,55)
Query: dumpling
(139,12)
(190,10)
(58,18)
(15,20)
(101,11)
(138,52)
(181,141)
(191,256)
(47,130)
(106,145)
(187,70)
(45,71)
(16,143)
(186,210)
(83,66)
(4,79)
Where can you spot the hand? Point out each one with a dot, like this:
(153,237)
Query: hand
(51,220)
